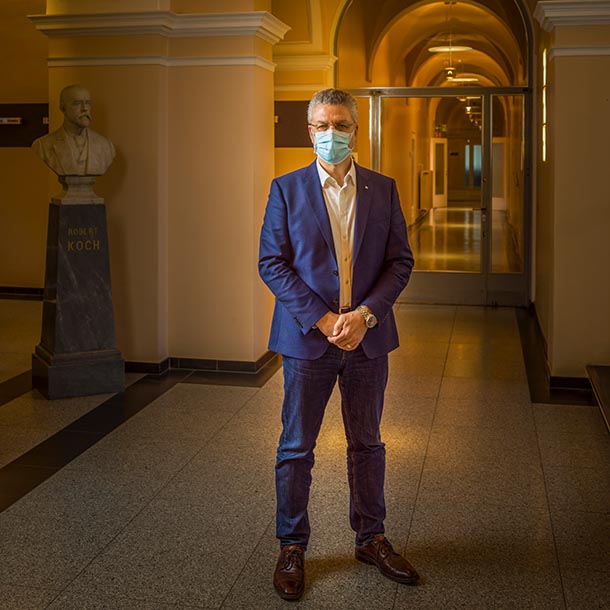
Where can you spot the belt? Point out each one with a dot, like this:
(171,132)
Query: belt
(344,309)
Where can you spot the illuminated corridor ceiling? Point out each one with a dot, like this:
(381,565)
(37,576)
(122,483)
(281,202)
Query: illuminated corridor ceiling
(398,33)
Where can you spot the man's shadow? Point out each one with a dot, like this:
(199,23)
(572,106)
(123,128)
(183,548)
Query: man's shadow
(323,568)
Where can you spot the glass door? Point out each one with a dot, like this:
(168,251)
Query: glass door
(458,158)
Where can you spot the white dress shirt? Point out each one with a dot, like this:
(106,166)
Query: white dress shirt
(341,206)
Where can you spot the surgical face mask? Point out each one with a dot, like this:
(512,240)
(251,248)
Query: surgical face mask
(332,146)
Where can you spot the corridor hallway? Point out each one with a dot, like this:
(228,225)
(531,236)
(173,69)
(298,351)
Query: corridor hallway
(449,239)
(501,504)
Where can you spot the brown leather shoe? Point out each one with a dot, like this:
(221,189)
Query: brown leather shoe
(379,552)
(289,576)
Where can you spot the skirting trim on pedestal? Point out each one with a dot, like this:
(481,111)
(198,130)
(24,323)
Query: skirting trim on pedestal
(200,364)
(21,294)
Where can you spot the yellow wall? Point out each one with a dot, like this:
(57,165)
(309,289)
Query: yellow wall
(23,197)
(185,195)
(572,282)
(581,325)
(221,164)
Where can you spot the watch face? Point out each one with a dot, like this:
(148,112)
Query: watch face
(371,320)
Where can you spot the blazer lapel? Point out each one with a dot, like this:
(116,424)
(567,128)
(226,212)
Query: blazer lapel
(364,198)
(313,189)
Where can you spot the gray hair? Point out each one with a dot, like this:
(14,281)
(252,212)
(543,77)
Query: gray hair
(333,97)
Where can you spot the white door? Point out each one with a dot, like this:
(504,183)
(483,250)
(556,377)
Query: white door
(438,163)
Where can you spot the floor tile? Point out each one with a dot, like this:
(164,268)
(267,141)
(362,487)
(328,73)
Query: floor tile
(16,442)
(484,413)
(176,552)
(586,590)
(490,350)
(403,414)
(31,410)
(475,538)
(51,534)
(576,450)
(479,368)
(485,589)
(583,540)
(189,411)
(465,446)
(416,365)
(25,598)
(491,483)
(12,365)
(498,390)
(574,488)
(82,598)
(566,419)
(423,349)
(409,387)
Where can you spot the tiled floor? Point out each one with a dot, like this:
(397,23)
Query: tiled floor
(449,239)
(501,504)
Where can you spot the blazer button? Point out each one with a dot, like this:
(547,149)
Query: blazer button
(335,272)
(335,302)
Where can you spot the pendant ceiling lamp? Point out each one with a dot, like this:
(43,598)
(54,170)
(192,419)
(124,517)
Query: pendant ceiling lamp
(449,48)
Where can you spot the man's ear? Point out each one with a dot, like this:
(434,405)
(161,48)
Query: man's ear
(311,136)
(353,138)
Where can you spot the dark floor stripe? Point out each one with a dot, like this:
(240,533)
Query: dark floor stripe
(34,467)
(532,346)
(15,387)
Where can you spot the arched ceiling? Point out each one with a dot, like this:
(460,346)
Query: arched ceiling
(398,33)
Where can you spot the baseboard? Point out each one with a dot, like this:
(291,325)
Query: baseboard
(19,293)
(569,383)
(148,368)
(200,364)
(545,388)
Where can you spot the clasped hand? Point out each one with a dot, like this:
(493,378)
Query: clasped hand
(345,330)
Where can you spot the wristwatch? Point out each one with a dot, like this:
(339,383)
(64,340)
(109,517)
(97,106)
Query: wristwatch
(369,317)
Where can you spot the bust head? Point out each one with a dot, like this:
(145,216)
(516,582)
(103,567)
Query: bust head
(75,103)
(74,150)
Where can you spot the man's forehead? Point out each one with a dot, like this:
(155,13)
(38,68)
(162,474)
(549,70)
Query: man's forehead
(332,109)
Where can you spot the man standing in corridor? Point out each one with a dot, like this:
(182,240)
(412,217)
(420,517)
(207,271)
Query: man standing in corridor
(335,254)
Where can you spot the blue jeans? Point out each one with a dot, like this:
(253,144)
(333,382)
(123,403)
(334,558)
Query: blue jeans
(308,385)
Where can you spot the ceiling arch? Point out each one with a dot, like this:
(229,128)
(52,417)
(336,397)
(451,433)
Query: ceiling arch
(398,33)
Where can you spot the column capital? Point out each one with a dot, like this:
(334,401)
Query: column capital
(553,13)
(261,24)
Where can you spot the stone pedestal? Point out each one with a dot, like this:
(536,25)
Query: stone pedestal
(77,355)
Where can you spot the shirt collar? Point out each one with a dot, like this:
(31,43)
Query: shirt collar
(324,175)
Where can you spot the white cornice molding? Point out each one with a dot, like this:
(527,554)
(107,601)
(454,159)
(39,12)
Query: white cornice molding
(291,63)
(551,13)
(596,51)
(165,23)
(160,60)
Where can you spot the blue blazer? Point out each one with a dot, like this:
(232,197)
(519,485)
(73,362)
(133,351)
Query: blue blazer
(298,263)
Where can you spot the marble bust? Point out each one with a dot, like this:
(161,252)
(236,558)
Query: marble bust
(74,149)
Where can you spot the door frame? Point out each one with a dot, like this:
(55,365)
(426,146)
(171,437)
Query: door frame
(485,288)
(439,200)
